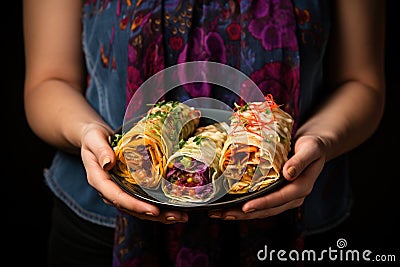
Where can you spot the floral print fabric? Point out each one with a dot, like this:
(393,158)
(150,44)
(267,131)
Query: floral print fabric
(256,37)
(259,38)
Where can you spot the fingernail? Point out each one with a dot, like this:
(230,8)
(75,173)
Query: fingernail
(105,163)
(248,211)
(149,213)
(215,215)
(229,217)
(291,171)
(171,218)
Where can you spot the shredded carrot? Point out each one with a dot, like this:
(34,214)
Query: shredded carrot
(271,102)
(248,116)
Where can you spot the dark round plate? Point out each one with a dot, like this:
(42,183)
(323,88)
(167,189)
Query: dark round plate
(223,200)
(159,199)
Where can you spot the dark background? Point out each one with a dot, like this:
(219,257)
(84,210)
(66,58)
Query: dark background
(373,224)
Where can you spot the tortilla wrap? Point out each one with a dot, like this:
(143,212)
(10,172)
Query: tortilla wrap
(192,171)
(257,146)
(142,152)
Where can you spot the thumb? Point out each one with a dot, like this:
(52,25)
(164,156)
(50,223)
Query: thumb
(97,144)
(307,150)
(107,157)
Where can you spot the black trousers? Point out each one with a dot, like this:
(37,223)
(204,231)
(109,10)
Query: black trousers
(74,241)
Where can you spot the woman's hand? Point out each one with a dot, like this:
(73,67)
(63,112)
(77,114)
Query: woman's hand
(301,171)
(99,158)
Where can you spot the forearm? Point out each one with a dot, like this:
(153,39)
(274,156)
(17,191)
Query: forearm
(55,105)
(350,116)
(58,114)
(355,69)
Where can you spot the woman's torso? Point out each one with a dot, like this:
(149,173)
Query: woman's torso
(121,53)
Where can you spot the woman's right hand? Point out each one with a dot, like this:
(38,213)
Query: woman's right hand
(99,158)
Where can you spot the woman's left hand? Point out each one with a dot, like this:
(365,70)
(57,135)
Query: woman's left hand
(301,171)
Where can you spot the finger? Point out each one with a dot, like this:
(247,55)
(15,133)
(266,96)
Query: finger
(106,156)
(97,144)
(112,194)
(237,214)
(229,214)
(105,200)
(291,191)
(299,188)
(307,150)
(166,217)
(122,200)
(257,214)
(174,216)
(141,209)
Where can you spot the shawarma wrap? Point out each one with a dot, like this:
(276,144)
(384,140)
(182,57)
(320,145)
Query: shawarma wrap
(193,170)
(257,146)
(142,152)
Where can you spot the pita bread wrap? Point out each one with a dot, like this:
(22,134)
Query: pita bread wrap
(257,146)
(192,171)
(142,152)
